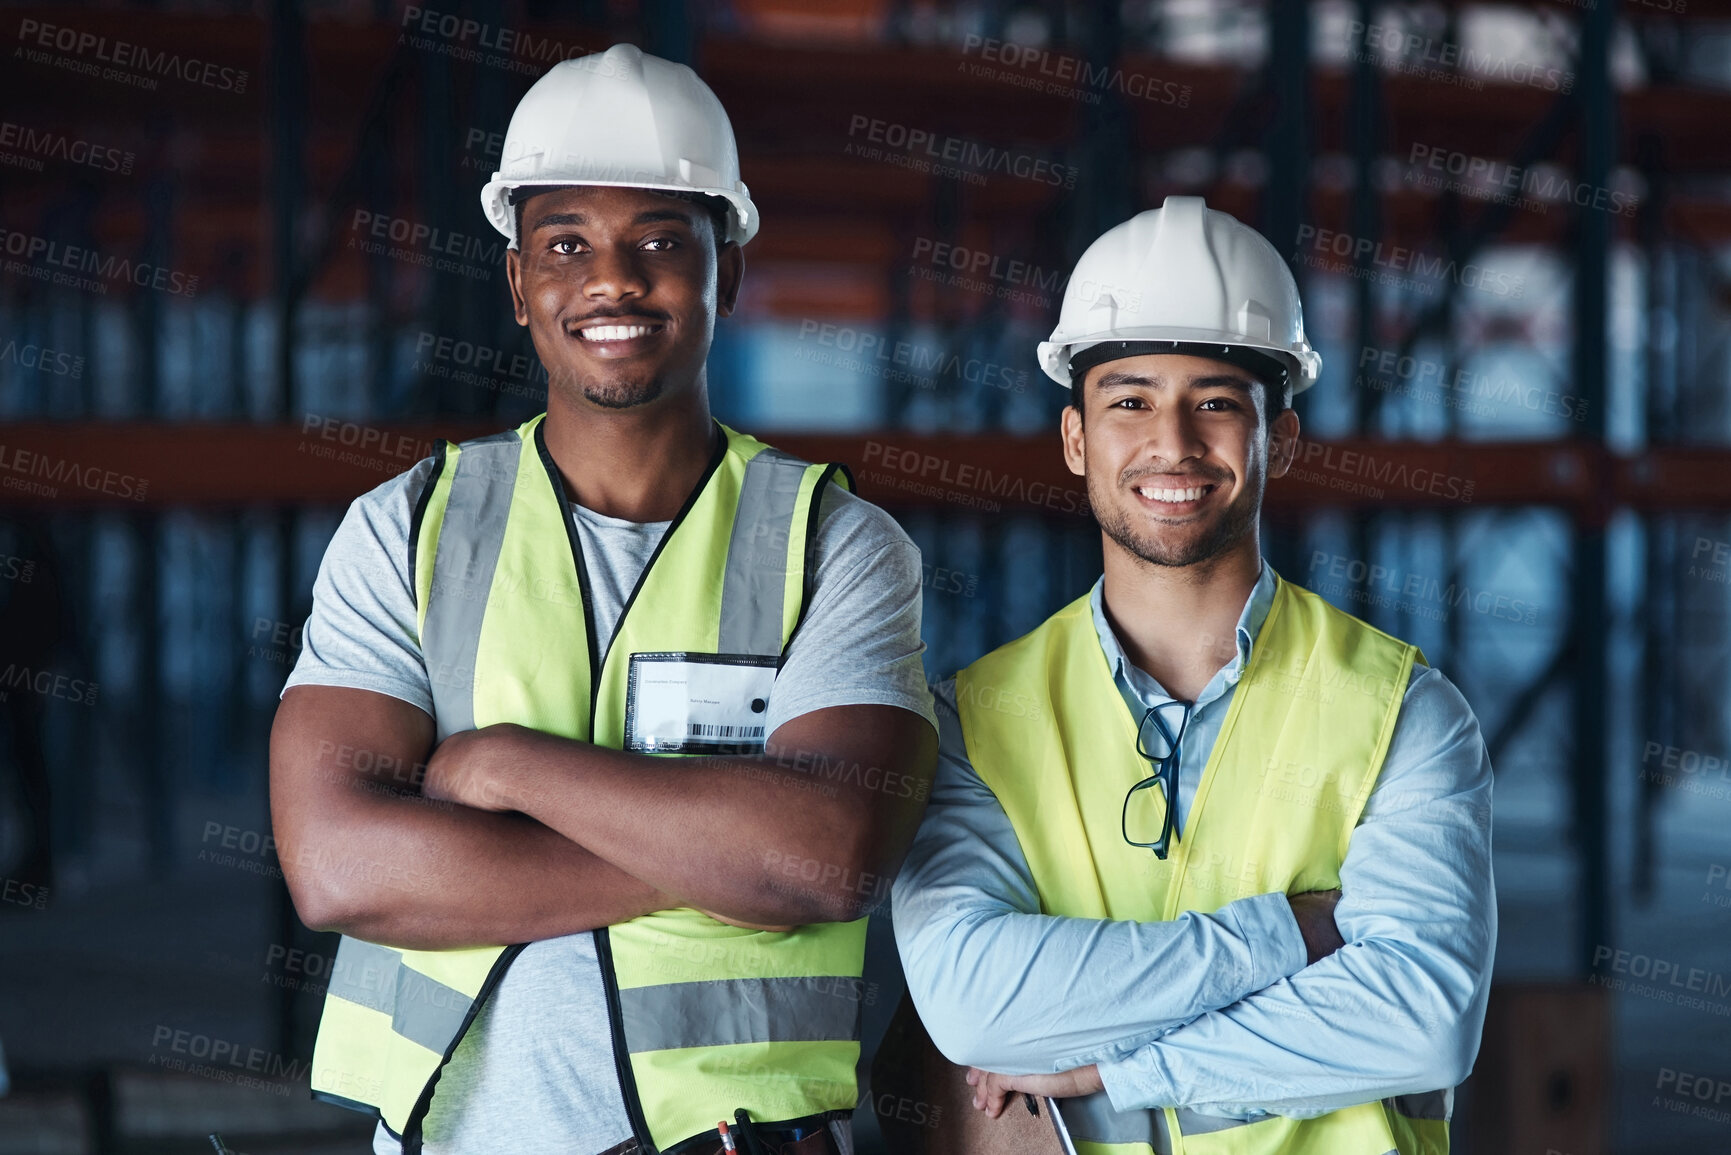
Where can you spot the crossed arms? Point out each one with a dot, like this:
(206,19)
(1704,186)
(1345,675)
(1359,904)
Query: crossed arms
(540,836)
(1221,1013)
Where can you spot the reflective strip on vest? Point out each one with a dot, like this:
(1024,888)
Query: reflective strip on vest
(389,1018)
(725,1012)
(1299,751)
(754,584)
(713,1017)
(1091,1119)
(1428,1105)
(471,535)
(423,1010)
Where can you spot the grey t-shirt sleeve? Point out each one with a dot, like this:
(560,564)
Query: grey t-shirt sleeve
(860,641)
(362,633)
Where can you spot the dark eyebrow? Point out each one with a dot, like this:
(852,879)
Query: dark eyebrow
(651,216)
(1214,381)
(552,219)
(648,217)
(1124,377)
(1222,381)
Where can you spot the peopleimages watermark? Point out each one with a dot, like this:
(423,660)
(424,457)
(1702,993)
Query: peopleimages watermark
(17,892)
(826,877)
(1426,380)
(1337,252)
(350,443)
(1499,181)
(483,366)
(940,154)
(17,569)
(1418,595)
(61,264)
(259,852)
(34,147)
(1054,73)
(944,580)
(909,362)
(1664,980)
(224,1060)
(415,243)
(1687,770)
(1717,873)
(42,359)
(1702,1096)
(1677,6)
(477,42)
(1370,474)
(282,642)
(964,483)
(46,684)
(89,54)
(1434,58)
(19,469)
(1717,567)
(985,272)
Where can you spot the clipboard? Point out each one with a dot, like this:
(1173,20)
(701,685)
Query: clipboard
(1069,1147)
(924,1105)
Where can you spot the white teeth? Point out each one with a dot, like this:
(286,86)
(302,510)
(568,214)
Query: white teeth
(1170,495)
(614,332)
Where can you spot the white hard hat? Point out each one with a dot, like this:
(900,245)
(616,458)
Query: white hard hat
(1187,274)
(622,118)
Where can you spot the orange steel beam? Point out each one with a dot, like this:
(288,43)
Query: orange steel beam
(326,461)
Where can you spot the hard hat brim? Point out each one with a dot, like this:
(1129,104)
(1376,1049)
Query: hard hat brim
(1054,356)
(496,195)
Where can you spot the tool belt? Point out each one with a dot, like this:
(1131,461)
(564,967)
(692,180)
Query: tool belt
(756,1139)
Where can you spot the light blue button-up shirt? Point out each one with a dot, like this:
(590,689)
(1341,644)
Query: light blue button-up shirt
(1218,1012)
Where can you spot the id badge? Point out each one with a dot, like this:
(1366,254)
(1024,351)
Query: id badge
(688,703)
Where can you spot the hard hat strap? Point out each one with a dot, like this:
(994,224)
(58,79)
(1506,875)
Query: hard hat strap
(1265,367)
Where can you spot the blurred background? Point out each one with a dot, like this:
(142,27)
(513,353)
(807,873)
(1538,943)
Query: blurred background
(244,277)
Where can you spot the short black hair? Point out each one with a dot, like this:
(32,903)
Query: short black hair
(719,209)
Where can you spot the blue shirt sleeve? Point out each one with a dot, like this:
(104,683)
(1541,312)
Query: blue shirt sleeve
(1399,1009)
(1001,986)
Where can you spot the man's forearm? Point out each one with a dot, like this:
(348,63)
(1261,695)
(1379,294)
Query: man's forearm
(362,855)
(1027,993)
(421,875)
(1363,1024)
(752,838)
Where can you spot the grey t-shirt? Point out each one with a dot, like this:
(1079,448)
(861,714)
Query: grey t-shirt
(535,1071)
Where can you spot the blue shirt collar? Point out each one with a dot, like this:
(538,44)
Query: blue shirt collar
(1144,686)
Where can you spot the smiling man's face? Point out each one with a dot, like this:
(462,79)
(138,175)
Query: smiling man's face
(1176,451)
(620,288)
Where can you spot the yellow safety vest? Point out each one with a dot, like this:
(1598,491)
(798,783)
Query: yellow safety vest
(706,1018)
(1298,753)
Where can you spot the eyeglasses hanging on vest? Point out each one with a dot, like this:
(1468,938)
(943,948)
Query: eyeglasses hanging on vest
(1149,807)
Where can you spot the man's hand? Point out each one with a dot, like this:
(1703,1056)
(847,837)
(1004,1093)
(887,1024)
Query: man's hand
(472,768)
(745,925)
(1314,911)
(992,1092)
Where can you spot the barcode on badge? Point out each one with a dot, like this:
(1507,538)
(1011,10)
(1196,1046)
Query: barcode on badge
(710,730)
